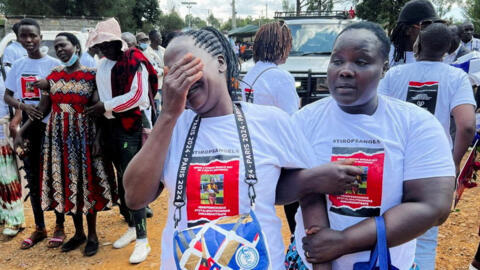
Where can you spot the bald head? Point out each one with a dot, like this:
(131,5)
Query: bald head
(435,41)
(466,33)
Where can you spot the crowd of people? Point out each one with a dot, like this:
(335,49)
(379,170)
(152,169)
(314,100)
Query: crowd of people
(127,119)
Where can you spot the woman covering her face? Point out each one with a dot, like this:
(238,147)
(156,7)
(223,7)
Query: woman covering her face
(200,75)
(407,167)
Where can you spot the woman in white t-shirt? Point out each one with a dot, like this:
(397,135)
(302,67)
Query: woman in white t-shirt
(408,171)
(266,83)
(200,75)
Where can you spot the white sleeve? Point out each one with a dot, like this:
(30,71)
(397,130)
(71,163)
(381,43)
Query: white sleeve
(286,97)
(294,149)
(8,56)
(462,92)
(11,81)
(138,93)
(427,153)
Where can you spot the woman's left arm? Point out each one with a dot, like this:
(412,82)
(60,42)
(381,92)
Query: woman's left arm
(426,203)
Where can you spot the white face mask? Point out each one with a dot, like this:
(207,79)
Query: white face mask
(73,59)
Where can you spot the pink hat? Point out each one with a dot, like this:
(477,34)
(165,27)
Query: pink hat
(106,31)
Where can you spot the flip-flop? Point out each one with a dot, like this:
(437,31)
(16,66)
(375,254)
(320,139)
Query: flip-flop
(55,242)
(36,237)
(57,239)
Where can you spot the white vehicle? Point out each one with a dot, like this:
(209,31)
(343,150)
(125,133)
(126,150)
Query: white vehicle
(313,36)
(48,37)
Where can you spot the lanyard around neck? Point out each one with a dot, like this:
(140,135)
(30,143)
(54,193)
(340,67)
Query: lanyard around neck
(186,159)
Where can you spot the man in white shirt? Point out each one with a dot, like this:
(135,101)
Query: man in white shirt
(156,45)
(468,41)
(443,90)
(13,51)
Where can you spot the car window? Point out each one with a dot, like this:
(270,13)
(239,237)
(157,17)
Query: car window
(313,38)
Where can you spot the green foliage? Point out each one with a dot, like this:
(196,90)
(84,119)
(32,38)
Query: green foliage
(212,21)
(473,13)
(132,14)
(287,7)
(171,22)
(227,26)
(195,22)
(383,12)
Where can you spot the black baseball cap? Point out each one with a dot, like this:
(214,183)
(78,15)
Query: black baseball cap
(415,11)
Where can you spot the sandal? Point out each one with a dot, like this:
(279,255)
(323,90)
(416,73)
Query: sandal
(37,236)
(73,243)
(57,239)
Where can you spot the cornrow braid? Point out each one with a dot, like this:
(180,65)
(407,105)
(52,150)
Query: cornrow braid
(399,40)
(215,43)
(273,42)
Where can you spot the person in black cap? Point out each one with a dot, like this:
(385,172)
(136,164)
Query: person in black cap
(405,33)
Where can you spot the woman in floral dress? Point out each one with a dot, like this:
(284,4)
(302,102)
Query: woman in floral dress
(76,180)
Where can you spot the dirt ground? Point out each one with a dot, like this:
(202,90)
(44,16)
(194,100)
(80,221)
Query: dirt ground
(458,239)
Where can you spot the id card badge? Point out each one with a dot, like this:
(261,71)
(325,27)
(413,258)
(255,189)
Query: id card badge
(29,91)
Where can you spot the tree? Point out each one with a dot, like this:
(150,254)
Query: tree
(383,12)
(473,13)
(132,14)
(212,21)
(195,22)
(319,5)
(171,22)
(287,7)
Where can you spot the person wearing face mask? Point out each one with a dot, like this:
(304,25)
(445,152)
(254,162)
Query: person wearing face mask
(442,90)
(76,180)
(157,62)
(126,83)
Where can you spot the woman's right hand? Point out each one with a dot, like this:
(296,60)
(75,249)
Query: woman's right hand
(335,178)
(33,112)
(177,81)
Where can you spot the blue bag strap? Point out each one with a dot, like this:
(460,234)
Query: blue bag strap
(383,252)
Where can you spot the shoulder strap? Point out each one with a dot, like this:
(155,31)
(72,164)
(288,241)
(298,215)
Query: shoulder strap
(255,80)
(186,158)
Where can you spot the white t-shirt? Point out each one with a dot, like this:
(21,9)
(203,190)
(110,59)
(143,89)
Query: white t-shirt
(276,144)
(87,60)
(12,53)
(434,86)
(274,87)
(472,45)
(24,72)
(409,57)
(399,142)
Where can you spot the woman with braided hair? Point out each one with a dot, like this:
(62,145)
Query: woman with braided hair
(266,83)
(193,146)
(406,31)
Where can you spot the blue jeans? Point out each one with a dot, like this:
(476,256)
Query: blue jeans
(426,249)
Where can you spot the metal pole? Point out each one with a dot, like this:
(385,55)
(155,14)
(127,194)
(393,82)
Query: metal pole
(234,18)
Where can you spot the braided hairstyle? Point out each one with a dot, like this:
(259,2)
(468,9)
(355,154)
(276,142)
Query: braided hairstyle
(273,42)
(400,41)
(215,43)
